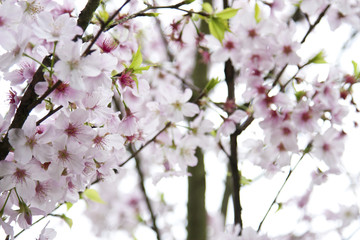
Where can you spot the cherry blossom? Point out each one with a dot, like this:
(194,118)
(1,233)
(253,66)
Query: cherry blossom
(63,27)
(126,97)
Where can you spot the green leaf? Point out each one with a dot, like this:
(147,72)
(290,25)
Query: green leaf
(245,181)
(195,17)
(93,195)
(140,69)
(211,84)
(218,27)
(68,205)
(68,220)
(308,148)
(103,14)
(136,82)
(356,69)
(207,7)
(319,58)
(257,13)
(189,1)
(299,95)
(227,13)
(137,60)
(150,14)
(280,205)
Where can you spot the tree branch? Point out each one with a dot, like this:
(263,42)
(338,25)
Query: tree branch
(87,13)
(25,107)
(102,29)
(147,200)
(312,26)
(196,208)
(233,160)
(29,100)
(147,143)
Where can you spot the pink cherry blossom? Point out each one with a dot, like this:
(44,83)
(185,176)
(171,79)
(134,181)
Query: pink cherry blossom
(229,124)
(50,29)
(329,146)
(73,126)
(72,67)
(31,141)
(19,176)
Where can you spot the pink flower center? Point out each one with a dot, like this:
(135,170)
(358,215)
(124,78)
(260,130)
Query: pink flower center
(63,155)
(306,116)
(20,175)
(31,142)
(125,79)
(255,58)
(281,147)
(107,45)
(287,49)
(2,21)
(99,141)
(286,131)
(326,147)
(40,189)
(252,33)
(71,131)
(62,88)
(229,45)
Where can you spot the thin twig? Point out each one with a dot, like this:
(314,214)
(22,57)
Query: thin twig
(312,26)
(233,159)
(279,75)
(37,221)
(142,13)
(102,28)
(51,112)
(147,143)
(282,186)
(46,93)
(147,200)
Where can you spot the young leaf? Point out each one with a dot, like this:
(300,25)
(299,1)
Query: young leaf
(207,7)
(211,84)
(257,13)
(137,60)
(356,69)
(140,69)
(68,220)
(227,13)
(150,14)
(245,181)
(319,58)
(68,205)
(299,95)
(93,195)
(218,27)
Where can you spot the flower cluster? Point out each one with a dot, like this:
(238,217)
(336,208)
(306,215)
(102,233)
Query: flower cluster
(94,98)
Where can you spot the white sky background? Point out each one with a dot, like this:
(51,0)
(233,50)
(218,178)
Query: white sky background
(256,197)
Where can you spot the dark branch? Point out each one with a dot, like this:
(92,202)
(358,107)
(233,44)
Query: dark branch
(312,26)
(87,13)
(147,143)
(102,29)
(51,112)
(27,103)
(233,160)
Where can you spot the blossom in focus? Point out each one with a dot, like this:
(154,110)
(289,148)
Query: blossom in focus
(50,29)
